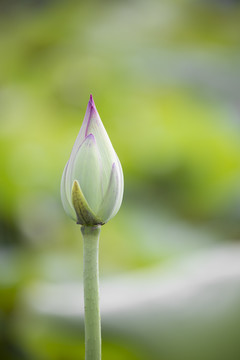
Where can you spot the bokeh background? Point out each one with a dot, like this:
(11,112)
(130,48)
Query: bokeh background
(165,78)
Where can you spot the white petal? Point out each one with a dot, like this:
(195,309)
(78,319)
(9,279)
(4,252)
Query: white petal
(113,196)
(92,124)
(106,150)
(78,142)
(87,170)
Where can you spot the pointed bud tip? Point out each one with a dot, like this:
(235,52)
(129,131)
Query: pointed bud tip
(92,105)
(91,101)
(91,110)
(75,184)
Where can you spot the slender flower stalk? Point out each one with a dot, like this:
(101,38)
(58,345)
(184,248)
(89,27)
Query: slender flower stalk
(91,292)
(91,193)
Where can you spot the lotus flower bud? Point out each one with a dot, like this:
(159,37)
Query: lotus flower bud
(92,181)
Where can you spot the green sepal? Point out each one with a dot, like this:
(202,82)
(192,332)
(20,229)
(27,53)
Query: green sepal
(85,215)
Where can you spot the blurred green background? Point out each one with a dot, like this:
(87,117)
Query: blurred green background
(165,78)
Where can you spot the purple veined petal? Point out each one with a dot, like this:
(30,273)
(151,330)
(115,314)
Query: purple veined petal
(113,196)
(65,201)
(106,150)
(82,132)
(92,124)
(87,170)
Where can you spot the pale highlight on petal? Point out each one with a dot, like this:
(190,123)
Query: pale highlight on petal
(66,204)
(109,200)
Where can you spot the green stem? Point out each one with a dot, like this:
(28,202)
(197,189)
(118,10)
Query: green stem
(91,292)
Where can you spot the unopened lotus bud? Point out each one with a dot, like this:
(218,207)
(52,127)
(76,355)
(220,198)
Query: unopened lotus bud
(92,181)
